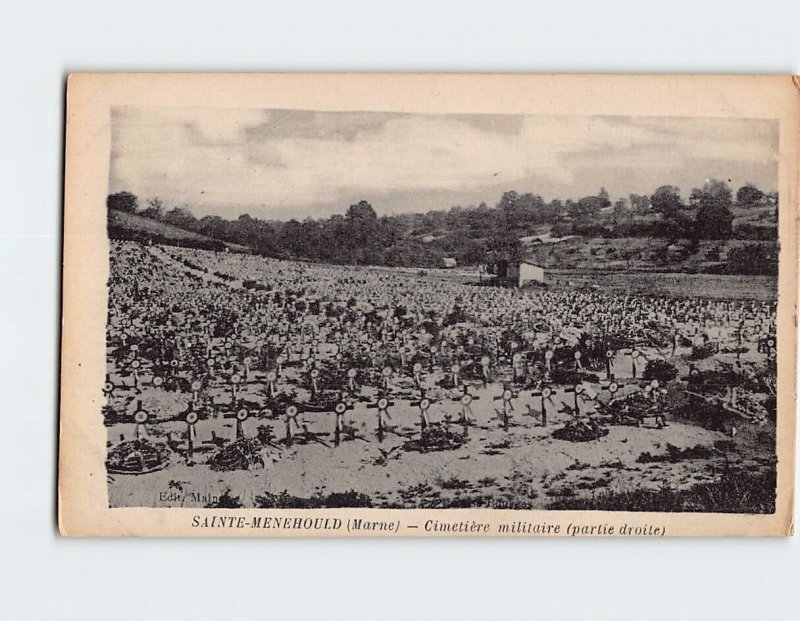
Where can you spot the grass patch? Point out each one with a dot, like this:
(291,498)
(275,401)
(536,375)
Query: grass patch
(674,454)
(737,491)
(336,500)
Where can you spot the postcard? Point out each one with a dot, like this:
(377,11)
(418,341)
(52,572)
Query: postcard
(429,305)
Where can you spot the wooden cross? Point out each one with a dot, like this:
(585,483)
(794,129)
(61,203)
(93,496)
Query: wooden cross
(140,417)
(516,358)
(424,405)
(576,390)
(548,357)
(466,408)
(241,416)
(417,371)
(508,405)
(382,405)
(612,388)
(235,379)
(291,414)
(135,364)
(191,434)
(272,377)
(546,394)
(387,373)
(433,349)
(634,355)
(351,380)
(609,358)
(486,361)
(108,386)
(314,374)
(339,409)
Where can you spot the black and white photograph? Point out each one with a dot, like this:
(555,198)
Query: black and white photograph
(399,310)
(354,309)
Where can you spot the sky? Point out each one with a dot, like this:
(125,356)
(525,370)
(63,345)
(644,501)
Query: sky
(281,164)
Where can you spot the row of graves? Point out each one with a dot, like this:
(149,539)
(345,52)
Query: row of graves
(207,374)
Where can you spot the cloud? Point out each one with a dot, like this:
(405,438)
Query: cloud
(266,161)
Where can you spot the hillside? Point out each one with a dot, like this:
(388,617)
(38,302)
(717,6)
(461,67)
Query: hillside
(646,254)
(128,226)
(711,233)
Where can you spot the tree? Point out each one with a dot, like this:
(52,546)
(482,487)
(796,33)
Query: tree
(361,211)
(666,200)
(640,203)
(361,234)
(291,236)
(556,208)
(714,217)
(694,198)
(214,226)
(749,196)
(753,259)
(588,206)
(155,209)
(181,217)
(123,201)
(621,211)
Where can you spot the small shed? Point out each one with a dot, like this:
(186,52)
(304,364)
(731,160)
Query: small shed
(448,263)
(526,272)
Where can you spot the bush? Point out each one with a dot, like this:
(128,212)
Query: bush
(660,370)
(560,375)
(581,430)
(675,454)
(701,352)
(336,500)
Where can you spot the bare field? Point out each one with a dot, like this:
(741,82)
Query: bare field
(709,286)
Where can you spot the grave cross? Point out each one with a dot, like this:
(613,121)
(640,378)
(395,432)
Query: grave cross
(386,375)
(546,394)
(466,406)
(291,414)
(235,380)
(191,434)
(634,356)
(485,370)
(108,386)
(135,364)
(576,390)
(417,374)
(508,405)
(548,357)
(140,417)
(424,405)
(455,372)
(314,374)
(339,409)
(609,359)
(351,380)
(382,405)
(241,416)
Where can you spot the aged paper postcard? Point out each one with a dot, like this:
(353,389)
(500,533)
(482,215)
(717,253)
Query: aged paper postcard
(429,305)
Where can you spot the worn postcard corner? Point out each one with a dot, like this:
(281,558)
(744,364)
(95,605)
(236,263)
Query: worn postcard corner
(429,305)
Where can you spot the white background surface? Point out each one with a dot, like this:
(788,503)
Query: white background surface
(43,576)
